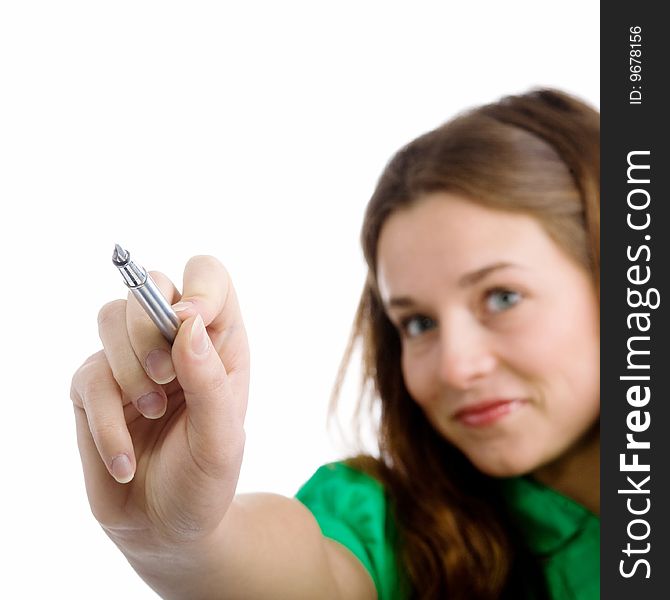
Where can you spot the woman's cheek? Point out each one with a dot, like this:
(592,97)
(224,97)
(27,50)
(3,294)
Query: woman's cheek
(532,351)
(416,372)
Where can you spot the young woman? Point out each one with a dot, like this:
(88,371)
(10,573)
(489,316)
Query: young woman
(480,329)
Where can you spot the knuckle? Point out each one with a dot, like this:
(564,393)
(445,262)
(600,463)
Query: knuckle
(110,311)
(206,260)
(105,430)
(93,386)
(214,283)
(128,374)
(96,358)
(209,264)
(81,377)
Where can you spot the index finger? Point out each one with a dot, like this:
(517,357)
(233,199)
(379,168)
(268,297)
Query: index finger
(208,291)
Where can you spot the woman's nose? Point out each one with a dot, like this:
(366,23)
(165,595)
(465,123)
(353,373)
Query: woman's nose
(465,355)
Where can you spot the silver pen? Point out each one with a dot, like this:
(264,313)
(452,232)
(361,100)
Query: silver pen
(146,291)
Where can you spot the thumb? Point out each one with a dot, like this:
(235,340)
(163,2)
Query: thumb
(215,415)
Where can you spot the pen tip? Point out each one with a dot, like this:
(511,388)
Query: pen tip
(120,256)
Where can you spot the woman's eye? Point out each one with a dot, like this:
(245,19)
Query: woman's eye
(499,300)
(416,325)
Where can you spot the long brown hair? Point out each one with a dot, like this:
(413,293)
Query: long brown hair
(536,153)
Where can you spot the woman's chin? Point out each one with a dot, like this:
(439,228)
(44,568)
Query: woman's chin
(503,469)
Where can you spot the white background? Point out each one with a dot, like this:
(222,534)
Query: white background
(251,131)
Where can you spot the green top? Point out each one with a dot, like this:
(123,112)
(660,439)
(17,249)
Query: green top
(352,508)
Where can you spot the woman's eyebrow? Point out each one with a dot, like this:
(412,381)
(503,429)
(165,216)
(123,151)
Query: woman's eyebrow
(479,274)
(400,302)
(465,281)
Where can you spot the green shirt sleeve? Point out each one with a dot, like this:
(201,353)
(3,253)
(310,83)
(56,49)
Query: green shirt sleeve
(352,509)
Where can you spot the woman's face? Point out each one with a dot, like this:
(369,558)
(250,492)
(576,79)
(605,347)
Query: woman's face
(499,329)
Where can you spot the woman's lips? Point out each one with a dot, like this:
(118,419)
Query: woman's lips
(487,413)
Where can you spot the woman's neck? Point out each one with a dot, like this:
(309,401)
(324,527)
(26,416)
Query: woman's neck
(576,474)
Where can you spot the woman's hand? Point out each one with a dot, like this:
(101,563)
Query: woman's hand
(160,428)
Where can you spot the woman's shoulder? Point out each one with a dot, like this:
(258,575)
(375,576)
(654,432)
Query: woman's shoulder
(350,504)
(355,473)
(350,493)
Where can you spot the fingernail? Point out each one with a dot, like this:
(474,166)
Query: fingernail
(179,306)
(152,405)
(121,468)
(159,366)
(199,337)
